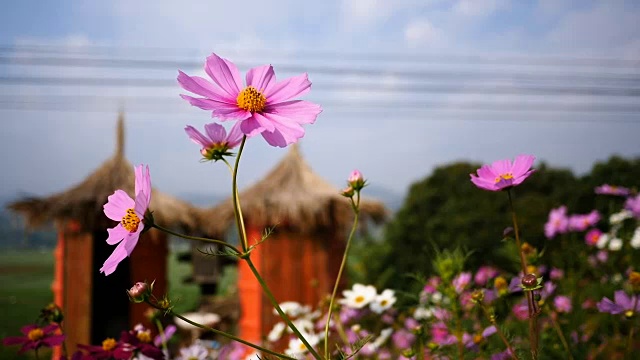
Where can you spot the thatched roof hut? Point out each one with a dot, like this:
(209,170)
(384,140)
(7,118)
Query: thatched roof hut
(95,305)
(300,259)
(84,200)
(292,194)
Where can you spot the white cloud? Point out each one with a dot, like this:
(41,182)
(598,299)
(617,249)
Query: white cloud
(477,8)
(421,32)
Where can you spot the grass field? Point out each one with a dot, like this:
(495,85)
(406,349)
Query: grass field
(25,287)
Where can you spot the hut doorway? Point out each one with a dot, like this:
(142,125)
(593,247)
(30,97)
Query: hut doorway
(110,305)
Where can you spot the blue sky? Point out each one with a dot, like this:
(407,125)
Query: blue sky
(394,143)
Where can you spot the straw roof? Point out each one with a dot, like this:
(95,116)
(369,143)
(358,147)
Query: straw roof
(292,194)
(84,201)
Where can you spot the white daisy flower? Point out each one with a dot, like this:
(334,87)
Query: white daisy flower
(619,217)
(298,349)
(383,301)
(422,313)
(635,239)
(292,309)
(615,244)
(359,296)
(602,241)
(276,332)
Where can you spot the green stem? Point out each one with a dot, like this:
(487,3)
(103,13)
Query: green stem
(36,351)
(556,326)
(630,339)
(533,323)
(164,339)
(493,322)
(222,333)
(273,301)
(242,233)
(196,238)
(342,266)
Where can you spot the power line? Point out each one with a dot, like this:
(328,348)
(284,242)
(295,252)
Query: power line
(384,110)
(325,70)
(341,55)
(490,89)
(356,105)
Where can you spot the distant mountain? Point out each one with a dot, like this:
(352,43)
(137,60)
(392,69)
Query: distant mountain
(391,199)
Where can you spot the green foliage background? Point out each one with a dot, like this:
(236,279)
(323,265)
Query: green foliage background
(445,210)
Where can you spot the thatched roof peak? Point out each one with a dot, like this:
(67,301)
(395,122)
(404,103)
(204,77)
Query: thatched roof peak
(83,202)
(292,193)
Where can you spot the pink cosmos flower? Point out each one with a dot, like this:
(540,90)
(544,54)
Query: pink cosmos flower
(216,143)
(262,106)
(581,222)
(607,189)
(461,281)
(503,174)
(35,337)
(558,222)
(130,214)
(562,304)
(633,204)
(484,274)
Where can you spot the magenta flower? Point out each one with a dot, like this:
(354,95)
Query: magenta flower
(216,143)
(562,304)
(633,204)
(622,303)
(502,174)
(558,222)
(461,281)
(130,214)
(581,222)
(607,189)
(168,333)
(592,237)
(35,337)
(263,106)
(484,274)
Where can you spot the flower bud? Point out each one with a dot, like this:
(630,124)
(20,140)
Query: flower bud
(347,192)
(139,292)
(477,296)
(507,232)
(356,180)
(52,313)
(531,282)
(527,249)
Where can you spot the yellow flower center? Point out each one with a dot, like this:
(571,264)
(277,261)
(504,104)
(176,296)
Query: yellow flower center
(109,344)
(302,346)
(359,299)
(251,99)
(507,176)
(144,336)
(130,221)
(35,334)
(477,338)
(384,302)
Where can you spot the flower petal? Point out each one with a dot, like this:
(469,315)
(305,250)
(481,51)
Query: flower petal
(286,89)
(203,87)
(264,122)
(197,137)
(261,77)
(290,130)
(53,340)
(483,183)
(622,299)
(235,136)
(114,259)
(274,138)
(303,112)
(204,104)
(224,73)
(522,164)
(117,205)
(501,167)
(14,340)
(251,127)
(231,112)
(27,328)
(116,234)
(49,328)
(216,132)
